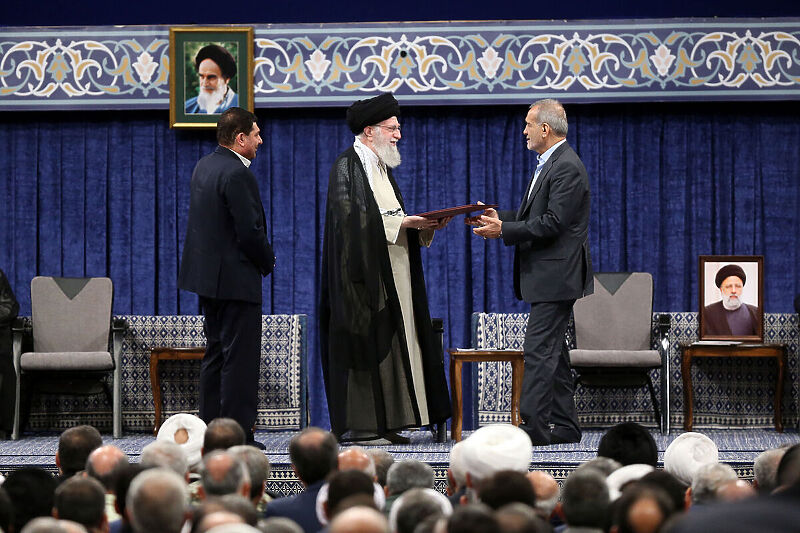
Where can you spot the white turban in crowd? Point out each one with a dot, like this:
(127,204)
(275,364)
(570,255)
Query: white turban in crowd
(494,448)
(187,431)
(620,477)
(687,453)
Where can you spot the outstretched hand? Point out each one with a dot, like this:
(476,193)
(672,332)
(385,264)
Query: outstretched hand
(487,225)
(416,222)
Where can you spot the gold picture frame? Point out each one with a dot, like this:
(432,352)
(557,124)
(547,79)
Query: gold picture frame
(201,57)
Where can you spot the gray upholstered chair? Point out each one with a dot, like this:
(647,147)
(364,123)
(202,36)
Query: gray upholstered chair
(615,337)
(72,342)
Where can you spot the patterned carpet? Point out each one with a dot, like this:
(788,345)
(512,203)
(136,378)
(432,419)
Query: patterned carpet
(737,448)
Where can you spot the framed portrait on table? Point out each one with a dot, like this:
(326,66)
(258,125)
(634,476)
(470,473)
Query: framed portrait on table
(731,297)
(211,70)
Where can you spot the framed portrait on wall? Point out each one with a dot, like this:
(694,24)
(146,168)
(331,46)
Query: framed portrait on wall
(211,70)
(731,297)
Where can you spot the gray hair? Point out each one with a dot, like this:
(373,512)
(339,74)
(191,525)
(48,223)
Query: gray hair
(48,524)
(551,111)
(409,474)
(157,501)
(383,461)
(257,465)
(606,465)
(234,478)
(765,469)
(708,479)
(585,498)
(167,454)
(279,524)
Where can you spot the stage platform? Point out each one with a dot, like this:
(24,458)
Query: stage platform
(738,448)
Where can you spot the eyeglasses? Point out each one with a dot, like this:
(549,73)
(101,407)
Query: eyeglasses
(390,129)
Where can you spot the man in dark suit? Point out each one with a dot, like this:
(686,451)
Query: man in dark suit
(314,454)
(225,255)
(9,308)
(552,268)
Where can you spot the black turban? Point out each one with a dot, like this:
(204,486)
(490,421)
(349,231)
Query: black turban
(220,56)
(728,271)
(372,111)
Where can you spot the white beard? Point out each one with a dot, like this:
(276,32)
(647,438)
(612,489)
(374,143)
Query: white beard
(209,102)
(731,302)
(389,154)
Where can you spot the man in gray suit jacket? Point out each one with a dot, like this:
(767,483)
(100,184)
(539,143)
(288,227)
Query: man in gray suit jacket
(552,269)
(225,255)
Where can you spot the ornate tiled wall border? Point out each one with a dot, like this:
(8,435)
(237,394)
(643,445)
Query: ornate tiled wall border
(495,62)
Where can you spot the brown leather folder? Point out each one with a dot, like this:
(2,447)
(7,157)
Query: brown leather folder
(453,211)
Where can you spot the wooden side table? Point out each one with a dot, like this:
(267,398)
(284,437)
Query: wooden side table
(690,351)
(168,353)
(458,357)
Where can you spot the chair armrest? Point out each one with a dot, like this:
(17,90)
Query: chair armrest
(664,325)
(21,329)
(119,325)
(22,325)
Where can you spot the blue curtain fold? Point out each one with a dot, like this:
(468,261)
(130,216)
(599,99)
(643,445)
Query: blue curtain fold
(106,194)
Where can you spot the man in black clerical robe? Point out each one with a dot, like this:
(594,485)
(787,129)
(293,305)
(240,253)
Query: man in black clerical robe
(9,308)
(365,351)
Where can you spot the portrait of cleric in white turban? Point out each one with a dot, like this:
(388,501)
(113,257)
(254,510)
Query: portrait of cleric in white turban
(731,305)
(210,87)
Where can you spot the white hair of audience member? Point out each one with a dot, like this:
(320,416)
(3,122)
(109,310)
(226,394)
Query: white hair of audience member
(157,501)
(256,462)
(167,454)
(436,496)
(279,524)
(378,496)
(233,528)
(765,469)
(359,518)
(620,477)
(187,431)
(687,453)
(606,465)
(708,479)
(48,524)
(408,474)
(457,463)
(496,447)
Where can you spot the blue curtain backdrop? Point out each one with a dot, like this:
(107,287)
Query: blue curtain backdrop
(107,194)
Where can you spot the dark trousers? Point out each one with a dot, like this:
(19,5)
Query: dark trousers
(547,387)
(230,368)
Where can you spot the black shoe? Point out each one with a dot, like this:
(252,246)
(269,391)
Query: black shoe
(396,438)
(255,444)
(536,439)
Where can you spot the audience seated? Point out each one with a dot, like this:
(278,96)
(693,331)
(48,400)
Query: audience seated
(504,487)
(687,453)
(473,518)
(383,460)
(359,520)
(279,524)
(222,474)
(672,487)
(123,525)
(456,475)
(156,501)
(82,500)
(188,432)
(165,454)
(31,491)
(221,434)
(48,524)
(314,454)
(629,443)
(356,458)
(494,448)
(403,476)
(585,502)
(6,510)
(788,473)
(417,505)
(620,478)
(341,485)
(765,470)
(641,509)
(520,518)
(74,446)
(104,464)
(258,468)
(707,480)
(546,493)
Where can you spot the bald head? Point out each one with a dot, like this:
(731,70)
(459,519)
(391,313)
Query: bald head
(545,487)
(219,518)
(359,520)
(356,458)
(735,490)
(224,474)
(105,463)
(645,516)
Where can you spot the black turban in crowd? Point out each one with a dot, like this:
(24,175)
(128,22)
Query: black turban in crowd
(372,111)
(728,271)
(220,56)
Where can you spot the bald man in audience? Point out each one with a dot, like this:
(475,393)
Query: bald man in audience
(356,458)
(105,465)
(359,520)
(223,474)
(547,492)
